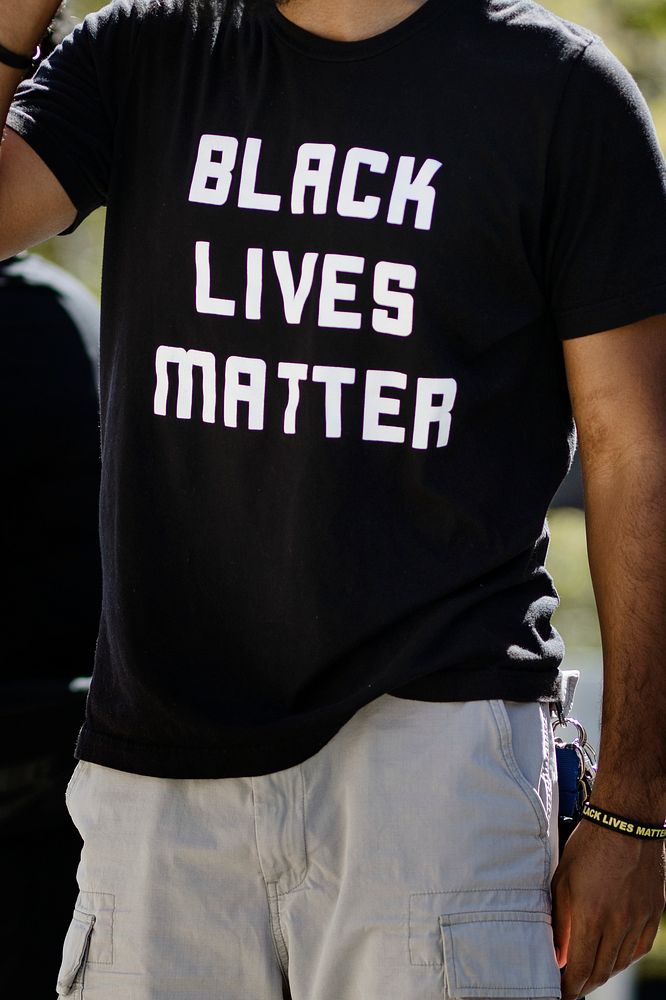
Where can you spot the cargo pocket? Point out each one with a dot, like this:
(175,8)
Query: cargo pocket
(74,952)
(89,941)
(499,954)
(486,942)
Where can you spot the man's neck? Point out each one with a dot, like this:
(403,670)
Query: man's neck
(348,20)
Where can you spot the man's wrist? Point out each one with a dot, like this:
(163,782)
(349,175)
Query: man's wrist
(16,60)
(628,790)
(628,825)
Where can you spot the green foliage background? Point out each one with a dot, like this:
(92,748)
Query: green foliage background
(635,30)
(576,619)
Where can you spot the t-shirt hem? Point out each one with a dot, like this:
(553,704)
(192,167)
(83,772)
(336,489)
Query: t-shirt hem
(231,761)
(250,760)
(612,314)
(481,685)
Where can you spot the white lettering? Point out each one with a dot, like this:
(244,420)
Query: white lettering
(207,169)
(376,405)
(251,392)
(333,378)
(295,374)
(333,291)
(307,176)
(245,382)
(409,188)
(348,204)
(217,157)
(293,298)
(248,196)
(427,412)
(402,324)
(186,361)
(255,280)
(205,302)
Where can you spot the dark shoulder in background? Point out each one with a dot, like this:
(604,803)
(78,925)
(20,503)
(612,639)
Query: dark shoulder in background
(50,333)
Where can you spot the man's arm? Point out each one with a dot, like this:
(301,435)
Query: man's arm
(608,891)
(33,204)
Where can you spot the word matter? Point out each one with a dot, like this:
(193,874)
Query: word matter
(244,390)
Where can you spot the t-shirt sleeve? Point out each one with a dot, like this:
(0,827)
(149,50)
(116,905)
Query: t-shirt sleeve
(68,112)
(605,202)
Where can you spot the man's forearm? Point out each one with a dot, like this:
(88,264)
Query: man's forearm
(626,524)
(33,204)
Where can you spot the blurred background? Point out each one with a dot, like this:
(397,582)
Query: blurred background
(635,30)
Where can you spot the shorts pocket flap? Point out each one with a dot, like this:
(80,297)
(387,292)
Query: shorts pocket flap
(74,950)
(500,953)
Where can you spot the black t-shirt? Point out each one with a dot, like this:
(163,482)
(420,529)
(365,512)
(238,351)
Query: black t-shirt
(334,409)
(51,470)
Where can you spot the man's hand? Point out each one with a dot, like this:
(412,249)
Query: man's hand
(608,897)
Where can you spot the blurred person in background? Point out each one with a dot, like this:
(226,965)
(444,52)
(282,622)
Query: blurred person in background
(362,261)
(51,598)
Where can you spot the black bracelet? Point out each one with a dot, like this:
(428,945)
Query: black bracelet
(19,62)
(630,827)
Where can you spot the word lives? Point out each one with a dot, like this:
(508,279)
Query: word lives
(393,305)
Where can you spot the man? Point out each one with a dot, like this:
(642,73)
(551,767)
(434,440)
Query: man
(345,245)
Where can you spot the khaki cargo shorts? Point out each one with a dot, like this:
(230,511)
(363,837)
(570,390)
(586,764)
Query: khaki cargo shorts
(410,859)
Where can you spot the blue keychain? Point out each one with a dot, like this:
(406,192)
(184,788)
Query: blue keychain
(576,769)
